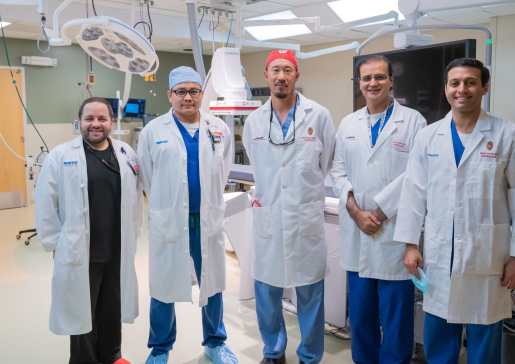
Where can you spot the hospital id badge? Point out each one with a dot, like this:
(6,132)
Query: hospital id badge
(134,166)
(216,135)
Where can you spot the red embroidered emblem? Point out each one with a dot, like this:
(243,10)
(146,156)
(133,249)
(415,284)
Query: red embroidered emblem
(489,145)
(310,131)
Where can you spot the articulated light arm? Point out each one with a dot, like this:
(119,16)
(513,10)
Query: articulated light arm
(314,22)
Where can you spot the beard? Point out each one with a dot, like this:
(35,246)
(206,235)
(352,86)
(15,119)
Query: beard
(95,140)
(281,95)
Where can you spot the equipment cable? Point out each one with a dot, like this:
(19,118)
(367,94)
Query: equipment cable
(94,10)
(43,21)
(17,91)
(229,36)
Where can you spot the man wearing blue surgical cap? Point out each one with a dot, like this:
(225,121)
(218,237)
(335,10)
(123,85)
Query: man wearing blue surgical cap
(184,159)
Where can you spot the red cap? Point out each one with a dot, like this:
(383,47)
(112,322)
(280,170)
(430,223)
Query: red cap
(282,54)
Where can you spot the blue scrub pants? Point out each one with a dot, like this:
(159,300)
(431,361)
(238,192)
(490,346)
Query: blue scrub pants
(163,330)
(442,342)
(374,303)
(310,312)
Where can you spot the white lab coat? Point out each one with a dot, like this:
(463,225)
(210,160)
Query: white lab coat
(479,197)
(289,237)
(62,224)
(375,176)
(163,164)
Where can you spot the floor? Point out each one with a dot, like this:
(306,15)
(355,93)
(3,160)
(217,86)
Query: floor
(25,278)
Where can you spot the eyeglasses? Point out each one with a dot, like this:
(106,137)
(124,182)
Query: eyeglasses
(270,130)
(182,93)
(378,78)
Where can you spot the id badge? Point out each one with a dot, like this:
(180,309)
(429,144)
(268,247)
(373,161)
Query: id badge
(217,135)
(134,166)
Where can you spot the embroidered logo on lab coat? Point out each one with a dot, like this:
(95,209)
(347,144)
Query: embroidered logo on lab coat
(489,145)
(258,139)
(351,138)
(70,164)
(310,131)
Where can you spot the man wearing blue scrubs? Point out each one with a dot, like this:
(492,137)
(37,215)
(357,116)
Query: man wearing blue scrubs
(372,150)
(290,144)
(185,156)
(460,180)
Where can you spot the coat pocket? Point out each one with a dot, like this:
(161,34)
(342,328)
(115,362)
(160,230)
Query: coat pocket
(484,183)
(218,157)
(492,248)
(311,218)
(308,155)
(262,222)
(72,248)
(215,216)
(167,225)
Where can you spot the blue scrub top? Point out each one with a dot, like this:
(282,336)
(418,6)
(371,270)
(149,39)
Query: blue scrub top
(375,128)
(193,166)
(286,125)
(459,149)
(457,144)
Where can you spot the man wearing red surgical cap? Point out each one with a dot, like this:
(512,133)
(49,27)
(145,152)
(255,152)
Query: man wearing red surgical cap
(290,142)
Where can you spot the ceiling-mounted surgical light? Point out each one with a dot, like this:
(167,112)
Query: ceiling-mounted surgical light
(115,45)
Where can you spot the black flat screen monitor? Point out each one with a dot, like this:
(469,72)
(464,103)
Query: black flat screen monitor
(114,105)
(418,82)
(134,108)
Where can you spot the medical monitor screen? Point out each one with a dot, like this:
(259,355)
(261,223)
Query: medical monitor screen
(114,105)
(418,82)
(135,108)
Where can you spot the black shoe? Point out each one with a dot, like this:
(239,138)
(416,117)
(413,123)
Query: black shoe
(301,362)
(281,360)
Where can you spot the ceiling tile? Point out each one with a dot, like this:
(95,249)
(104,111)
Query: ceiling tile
(266,7)
(327,16)
(299,2)
(504,9)
(460,16)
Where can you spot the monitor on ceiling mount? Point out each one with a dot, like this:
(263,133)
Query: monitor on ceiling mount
(418,82)
(134,108)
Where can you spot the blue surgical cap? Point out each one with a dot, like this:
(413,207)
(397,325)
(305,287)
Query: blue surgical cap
(184,74)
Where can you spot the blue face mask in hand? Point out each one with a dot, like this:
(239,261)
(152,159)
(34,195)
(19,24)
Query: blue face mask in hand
(424,284)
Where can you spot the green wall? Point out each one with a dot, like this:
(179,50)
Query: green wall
(51,95)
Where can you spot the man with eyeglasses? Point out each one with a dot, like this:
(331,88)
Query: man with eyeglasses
(372,150)
(185,156)
(290,144)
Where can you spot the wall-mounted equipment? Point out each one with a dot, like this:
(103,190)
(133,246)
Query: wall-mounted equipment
(39,61)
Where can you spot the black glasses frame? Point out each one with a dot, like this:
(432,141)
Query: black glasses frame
(271,119)
(187,92)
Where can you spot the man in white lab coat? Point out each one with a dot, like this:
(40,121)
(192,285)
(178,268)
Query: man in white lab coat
(89,212)
(372,150)
(185,157)
(461,179)
(290,143)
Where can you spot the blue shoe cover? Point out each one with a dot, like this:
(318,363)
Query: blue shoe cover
(160,359)
(221,355)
